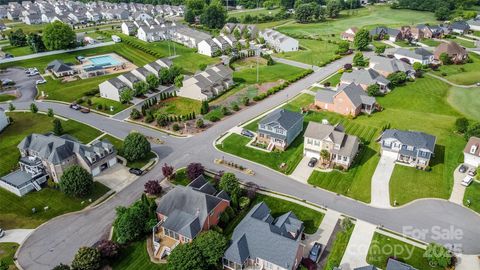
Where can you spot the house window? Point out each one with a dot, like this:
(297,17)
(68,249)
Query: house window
(317,143)
(410,148)
(309,141)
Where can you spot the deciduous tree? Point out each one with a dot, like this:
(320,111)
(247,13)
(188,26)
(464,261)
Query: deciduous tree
(135,146)
(76,181)
(87,258)
(59,36)
(362,39)
(194,170)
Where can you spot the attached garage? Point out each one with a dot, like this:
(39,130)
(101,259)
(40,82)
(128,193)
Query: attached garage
(390,154)
(310,153)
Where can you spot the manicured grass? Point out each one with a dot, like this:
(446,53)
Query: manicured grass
(7,251)
(383,247)
(430,42)
(466,101)
(311,218)
(27,123)
(253,12)
(247,73)
(17,212)
(137,57)
(27,28)
(463,43)
(338,249)
(273,24)
(472,194)
(135,257)
(333,80)
(313,52)
(6,97)
(465,74)
(118,144)
(17,51)
(404,43)
(180,178)
(178,106)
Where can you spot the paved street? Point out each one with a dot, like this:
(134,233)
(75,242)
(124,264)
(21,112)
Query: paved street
(58,240)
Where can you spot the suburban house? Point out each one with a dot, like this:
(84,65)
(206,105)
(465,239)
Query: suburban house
(59,68)
(342,148)
(129,79)
(410,148)
(4,122)
(365,78)
(50,155)
(471,152)
(186,211)
(208,47)
(261,241)
(418,55)
(386,66)
(208,83)
(349,99)
(457,53)
(460,27)
(349,34)
(474,23)
(383,32)
(157,65)
(393,264)
(112,88)
(188,36)
(279,129)
(142,73)
(278,41)
(128,28)
(432,31)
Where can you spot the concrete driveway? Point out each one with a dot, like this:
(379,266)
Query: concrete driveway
(358,245)
(303,171)
(116,178)
(24,84)
(381,181)
(15,236)
(458,190)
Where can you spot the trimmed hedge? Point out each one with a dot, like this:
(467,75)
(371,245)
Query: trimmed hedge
(282,86)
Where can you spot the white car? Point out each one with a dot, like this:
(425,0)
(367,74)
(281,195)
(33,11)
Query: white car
(42,81)
(2,233)
(467,181)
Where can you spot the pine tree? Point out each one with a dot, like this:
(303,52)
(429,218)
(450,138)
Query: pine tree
(193,115)
(57,127)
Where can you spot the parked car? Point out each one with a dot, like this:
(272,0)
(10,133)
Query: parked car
(312,162)
(75,106)
(247,133)
(135,171)
(2,233)
(85,110)
(467,181)
(462,168)
(42,81)
(472,172)
(315,252)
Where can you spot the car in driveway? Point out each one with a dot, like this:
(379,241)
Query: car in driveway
(135,171)
(314,254)
(462,168)
(472,172)
(75,106)
(2,233)
(247,133)
(467,180)
(42,81)
(312,162)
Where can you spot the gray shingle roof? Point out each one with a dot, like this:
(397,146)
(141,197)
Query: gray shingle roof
(348,143)
(390,65)
(363,76)
(418,53)
(411,138)
(282,117)
(368,267)
(259,235)
(58,66)
(356,94)
(396,265)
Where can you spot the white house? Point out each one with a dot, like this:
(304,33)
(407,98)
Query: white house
(93,16)
(472,152)
(129,79)
(3,119)
(279,42)
(418,55)
(207,47)
(207,84)
(128,28)
(154,67)
(142,73)
(474,23)
(112,88)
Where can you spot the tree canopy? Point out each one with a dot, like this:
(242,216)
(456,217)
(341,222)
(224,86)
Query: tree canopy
(87,258)
(59,36)
(133,222)
(214,15)
(135,146)
(362,39)
(76,181)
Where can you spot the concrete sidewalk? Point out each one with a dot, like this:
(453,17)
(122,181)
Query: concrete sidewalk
(15,236)
(357,248)
(295,63)
(381,182)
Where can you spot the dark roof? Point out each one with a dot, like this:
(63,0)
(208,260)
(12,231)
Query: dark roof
(418,53)
(58,66)
(460,25)
(368,267)
(282,117)
(364,76)
(396,265)
(117,83)
(411,138)
(259,235)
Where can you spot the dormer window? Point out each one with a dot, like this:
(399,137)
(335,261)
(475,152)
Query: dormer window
(473,149)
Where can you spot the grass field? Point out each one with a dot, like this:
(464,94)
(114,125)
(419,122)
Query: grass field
(313,52)
(252,12)
(72,91)
(430,42)
(27,28)
(7,251)
(17,51)
(338,249)
(333,80)
(246,72)
(466,74)
(6,97)
(383,247)
(27,123)
(472,194)
(178,106)
(466,101)
(118,144)
(135,257)
(463,43)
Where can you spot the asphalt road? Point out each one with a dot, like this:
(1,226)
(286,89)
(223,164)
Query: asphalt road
(58,240)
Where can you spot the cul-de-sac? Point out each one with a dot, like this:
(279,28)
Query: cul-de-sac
(240,135)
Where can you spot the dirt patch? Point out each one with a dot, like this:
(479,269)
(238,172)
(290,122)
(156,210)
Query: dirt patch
(265,86)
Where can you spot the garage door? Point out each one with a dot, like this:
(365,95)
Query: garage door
(390,154)
(311,154)
(96,171)
(112,162)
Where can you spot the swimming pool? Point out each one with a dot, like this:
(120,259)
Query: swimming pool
(104,61)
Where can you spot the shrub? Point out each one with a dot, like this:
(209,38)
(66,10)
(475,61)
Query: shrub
(235,107)
(199,123)
(33,108)
(194,170)
(461,124)
(87,258)
(76,181)
(152,187)
(49,112)
(135,114)
(244,202)
(175,127)
(108,249)
(214,118)
(135,146)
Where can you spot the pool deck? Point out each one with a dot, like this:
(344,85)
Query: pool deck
(128,66)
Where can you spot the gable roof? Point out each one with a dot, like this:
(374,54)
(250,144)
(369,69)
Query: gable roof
(451,48)
(412,138)
(418,53)
(390,65)
(285,118)
(58,66)
(336,134)
(393,264)
(259,235)
(364,76)
(473,144)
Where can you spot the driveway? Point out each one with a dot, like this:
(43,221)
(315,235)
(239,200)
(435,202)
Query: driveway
(24,84)
(15,236)
(357,248)
(303,171)
(381,181)
(324,232)
(458,190)
(116,178)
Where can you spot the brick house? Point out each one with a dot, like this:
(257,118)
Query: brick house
(349,99)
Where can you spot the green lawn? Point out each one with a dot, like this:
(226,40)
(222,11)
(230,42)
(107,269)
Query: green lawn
(181,178)
(465,74)
(246,72)
(27,28)
(137,57)
(17,51)
(472,193)
(135,257)
(178,106)
(118,144)
(383,247)
(311,218)
(313,52)
(252,12)
(466,101)
(72,91)
(333,80)
(430,42)
(338,249)
(6,97)
(463,43)
(7,251)
(404,43)
(27,123)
